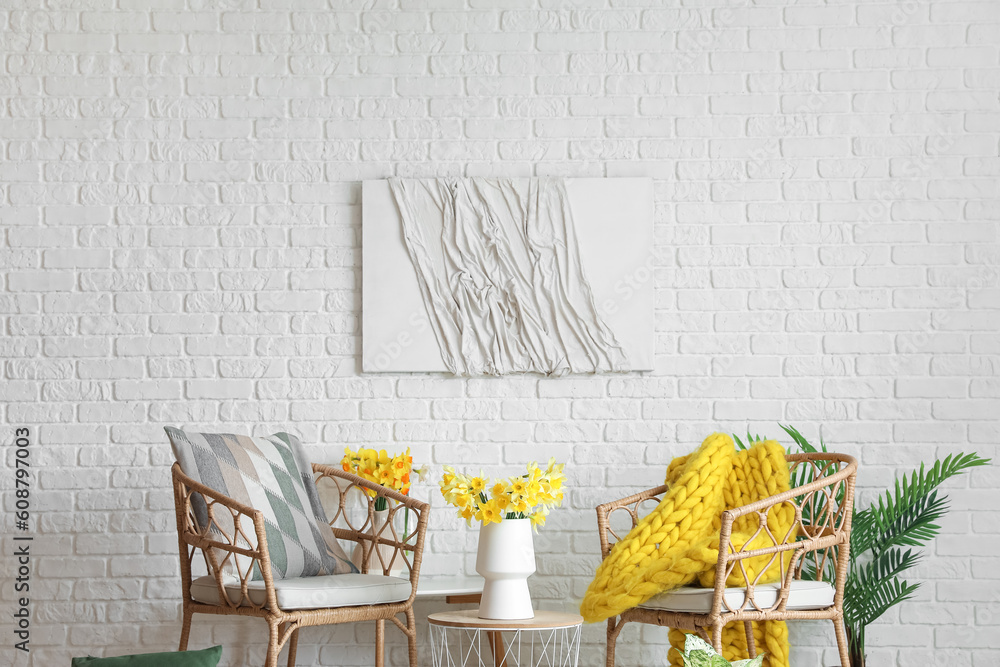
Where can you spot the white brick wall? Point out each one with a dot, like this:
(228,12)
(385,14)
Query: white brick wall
(180,226)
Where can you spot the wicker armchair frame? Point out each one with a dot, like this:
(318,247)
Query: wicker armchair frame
(824,508)
(234,543)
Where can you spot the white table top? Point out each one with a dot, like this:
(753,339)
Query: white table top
(431,586)
(542,620)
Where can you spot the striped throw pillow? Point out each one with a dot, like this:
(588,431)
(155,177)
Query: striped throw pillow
(271,474)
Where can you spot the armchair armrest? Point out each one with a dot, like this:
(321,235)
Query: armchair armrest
(408,547)
(822,484)
(821,520)
(823,507)
(630,505)
(232,541)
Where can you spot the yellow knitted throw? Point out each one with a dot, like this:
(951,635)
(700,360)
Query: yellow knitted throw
(678,542)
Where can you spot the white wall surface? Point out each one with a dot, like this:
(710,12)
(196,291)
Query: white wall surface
(179,211)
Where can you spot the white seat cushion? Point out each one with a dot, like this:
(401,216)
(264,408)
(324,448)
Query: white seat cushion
(334,590)
(803,595)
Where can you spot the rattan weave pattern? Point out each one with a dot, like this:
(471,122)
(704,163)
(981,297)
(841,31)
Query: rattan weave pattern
(283,625)
(824,526)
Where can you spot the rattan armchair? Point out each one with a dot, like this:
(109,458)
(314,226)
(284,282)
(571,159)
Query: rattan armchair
(823,502)
(227,547)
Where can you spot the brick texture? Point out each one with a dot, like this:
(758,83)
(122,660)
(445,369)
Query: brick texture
(180,223)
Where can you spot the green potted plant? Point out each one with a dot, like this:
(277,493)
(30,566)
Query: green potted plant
(699,653)
(883,537)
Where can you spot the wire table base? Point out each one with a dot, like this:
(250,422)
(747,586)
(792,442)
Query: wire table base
(460,639)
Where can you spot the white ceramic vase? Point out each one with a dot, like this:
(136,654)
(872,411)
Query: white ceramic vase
(505,560)
(375,565)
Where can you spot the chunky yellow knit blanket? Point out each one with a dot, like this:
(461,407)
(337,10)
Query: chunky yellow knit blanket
(678,542)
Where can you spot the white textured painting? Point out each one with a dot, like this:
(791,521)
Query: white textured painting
(493,276)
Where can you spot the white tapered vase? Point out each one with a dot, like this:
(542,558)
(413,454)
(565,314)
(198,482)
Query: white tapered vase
(505,560)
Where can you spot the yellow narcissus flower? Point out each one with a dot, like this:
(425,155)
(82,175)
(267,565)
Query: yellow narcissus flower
(461,500)
(489,513)
(378,466)
(477,484)
(400,466)
(467,514)
(527,496)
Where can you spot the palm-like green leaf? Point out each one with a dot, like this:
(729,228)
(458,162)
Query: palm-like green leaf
(812,512)
(886,566)
(751,439)
(867,602)
(881,527)
(812,559)
(803,474)
(905,515)
(801,441)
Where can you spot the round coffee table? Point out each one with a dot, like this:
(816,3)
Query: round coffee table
(461,638)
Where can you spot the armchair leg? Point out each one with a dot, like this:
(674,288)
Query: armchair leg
(411,636)
(838,628)
(717,638)
(751,645)
(185,630)
(273,648)
(380,643)
(614,629)
(293,645)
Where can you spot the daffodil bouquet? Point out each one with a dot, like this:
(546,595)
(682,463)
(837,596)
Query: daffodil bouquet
(378,466)
(528,496)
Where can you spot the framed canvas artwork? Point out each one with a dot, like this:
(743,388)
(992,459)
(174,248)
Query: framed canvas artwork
(490,276)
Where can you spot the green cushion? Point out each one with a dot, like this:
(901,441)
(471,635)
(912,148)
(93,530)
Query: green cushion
(208,657)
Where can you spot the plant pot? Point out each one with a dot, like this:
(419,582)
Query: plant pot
(506,559)
(375,564)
